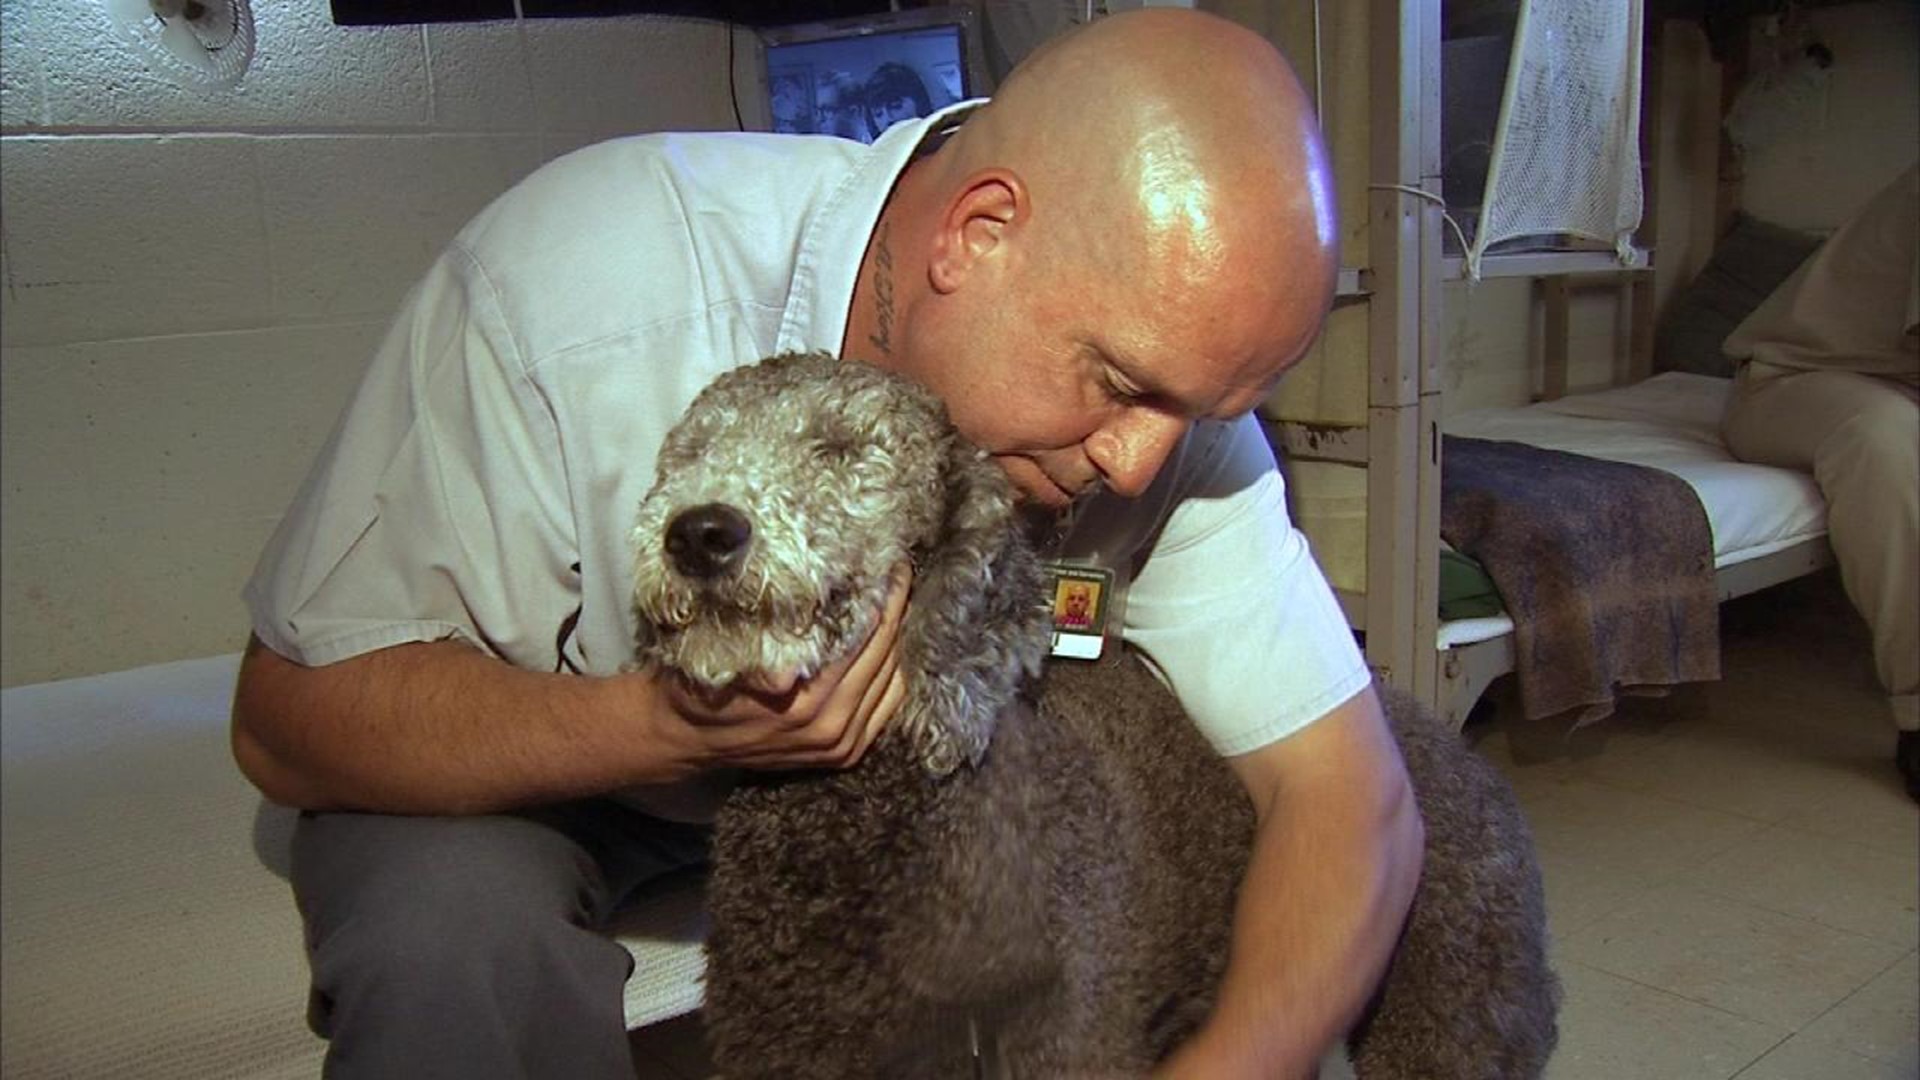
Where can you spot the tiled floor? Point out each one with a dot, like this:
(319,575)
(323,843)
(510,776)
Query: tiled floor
(1733,872)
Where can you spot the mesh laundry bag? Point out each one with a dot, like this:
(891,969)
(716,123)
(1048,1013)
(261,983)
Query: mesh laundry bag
(1566,154)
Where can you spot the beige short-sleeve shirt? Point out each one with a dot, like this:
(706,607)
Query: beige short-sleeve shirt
(1854,305)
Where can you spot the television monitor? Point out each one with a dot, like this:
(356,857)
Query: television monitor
(857,77)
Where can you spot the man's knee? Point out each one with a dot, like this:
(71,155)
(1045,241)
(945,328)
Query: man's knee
(451,908)
(414,888)
(449,850)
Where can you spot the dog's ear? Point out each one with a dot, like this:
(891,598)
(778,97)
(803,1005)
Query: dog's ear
(975,629)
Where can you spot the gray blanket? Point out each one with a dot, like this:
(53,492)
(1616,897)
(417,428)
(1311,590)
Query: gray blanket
(1605,568)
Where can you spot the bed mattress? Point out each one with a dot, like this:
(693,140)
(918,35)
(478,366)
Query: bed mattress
(1672,422)
(146,927)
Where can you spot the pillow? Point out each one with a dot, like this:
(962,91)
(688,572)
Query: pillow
(1466,592)
(1747,265)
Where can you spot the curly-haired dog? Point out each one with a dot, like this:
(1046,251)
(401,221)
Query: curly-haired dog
(1019,886)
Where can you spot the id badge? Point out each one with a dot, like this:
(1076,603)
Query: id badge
(1085,603)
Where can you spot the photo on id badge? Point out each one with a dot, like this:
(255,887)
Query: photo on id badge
(1080,601)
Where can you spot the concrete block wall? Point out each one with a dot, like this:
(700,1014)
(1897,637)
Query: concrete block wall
(191,281)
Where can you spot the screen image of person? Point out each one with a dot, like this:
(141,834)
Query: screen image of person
(791,99)
(894,92)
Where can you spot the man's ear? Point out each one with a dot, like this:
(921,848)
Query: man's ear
(979,220)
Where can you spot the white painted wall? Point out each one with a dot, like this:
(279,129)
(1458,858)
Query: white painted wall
(1831,149)
(193,280)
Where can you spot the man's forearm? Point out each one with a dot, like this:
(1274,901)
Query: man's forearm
(1314,930)
(1327,890)
(441,728)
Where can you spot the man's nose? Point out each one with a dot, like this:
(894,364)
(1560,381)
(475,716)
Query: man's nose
(1129,450)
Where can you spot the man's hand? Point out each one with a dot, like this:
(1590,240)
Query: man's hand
(780,722)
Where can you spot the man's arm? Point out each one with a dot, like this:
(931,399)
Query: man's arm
(442,728)
(1334,867)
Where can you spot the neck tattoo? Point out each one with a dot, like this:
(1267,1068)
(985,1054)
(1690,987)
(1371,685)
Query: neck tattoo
(882,336)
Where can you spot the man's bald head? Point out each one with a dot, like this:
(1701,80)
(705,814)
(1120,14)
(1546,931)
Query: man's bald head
(1137,232)
(1175,142)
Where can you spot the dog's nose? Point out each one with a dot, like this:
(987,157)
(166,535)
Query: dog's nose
(708,541)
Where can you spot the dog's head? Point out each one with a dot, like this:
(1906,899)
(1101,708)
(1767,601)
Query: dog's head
(783,500)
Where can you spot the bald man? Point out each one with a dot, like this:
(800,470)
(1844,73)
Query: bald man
(1102,271)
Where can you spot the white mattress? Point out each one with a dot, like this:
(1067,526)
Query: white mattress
(146,929)
(1672,422)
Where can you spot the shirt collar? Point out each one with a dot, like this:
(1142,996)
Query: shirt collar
(836,237)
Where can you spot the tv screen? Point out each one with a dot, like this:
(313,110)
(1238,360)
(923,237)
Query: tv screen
(856,78)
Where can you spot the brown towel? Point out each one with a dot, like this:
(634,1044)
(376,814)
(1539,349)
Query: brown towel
(1606,569)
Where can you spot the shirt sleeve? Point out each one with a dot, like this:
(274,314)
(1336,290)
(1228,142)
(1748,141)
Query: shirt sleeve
(437,509)
(1231,606)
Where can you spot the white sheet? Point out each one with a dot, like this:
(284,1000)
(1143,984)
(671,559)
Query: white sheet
(1672,422)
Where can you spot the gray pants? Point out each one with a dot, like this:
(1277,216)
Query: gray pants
(469,947)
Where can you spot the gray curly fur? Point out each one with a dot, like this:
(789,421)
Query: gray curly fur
(1064,905)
